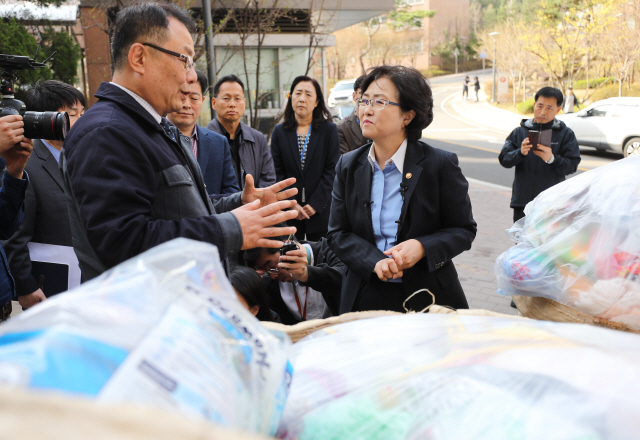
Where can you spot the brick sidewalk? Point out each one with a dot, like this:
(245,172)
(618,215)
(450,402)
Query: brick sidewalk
(475,267)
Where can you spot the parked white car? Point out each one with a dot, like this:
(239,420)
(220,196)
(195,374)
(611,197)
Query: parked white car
(341,93)
(610,124)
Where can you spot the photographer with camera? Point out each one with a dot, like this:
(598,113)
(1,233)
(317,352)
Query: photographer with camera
(15,150)
(304,279)
(46,218)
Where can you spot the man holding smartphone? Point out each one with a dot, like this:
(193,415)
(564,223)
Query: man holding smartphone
(540,166)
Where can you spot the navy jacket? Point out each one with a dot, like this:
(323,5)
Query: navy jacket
(436,212)
(214,158)
(533,175)
(11,214)
(130,187)
(319,170)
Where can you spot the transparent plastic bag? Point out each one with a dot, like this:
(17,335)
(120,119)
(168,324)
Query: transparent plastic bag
(165,329)
(579,244)
(424,376)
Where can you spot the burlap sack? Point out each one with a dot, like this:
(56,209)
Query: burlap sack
(27,415)
(549,310)
(299,331)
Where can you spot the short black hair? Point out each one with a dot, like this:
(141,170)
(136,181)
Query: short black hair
(51,95)
(251,256)
(146,22)
(550,92)
(414,94)
(320,113)
(358,84)
(204,82)
(252,289)
(224,79)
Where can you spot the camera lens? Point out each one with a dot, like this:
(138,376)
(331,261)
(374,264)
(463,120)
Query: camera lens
(46,125)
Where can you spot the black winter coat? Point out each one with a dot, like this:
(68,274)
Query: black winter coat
(534,175)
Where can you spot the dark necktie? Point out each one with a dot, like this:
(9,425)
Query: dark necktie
(168,128)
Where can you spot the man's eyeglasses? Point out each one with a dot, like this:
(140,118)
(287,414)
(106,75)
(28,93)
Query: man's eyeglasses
(228,99)
(188,61)
(377,104)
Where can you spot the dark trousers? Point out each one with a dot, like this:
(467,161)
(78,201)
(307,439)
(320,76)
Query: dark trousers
(518,213)
(301,227)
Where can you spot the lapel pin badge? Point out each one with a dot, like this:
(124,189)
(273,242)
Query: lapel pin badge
(408,175)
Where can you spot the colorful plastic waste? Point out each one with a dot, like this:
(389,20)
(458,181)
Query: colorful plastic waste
(163,329)
(442,377)
(579,244)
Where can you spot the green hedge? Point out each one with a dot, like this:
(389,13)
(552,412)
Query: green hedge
(612,92)
(582,84)
(526,107)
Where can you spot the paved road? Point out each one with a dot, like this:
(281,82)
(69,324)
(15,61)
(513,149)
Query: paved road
(477,144)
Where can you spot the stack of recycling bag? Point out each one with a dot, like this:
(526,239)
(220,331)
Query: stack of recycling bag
(163,329)
(463,377)
(579,244)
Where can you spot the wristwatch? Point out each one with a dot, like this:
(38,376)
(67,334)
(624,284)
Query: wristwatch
(550,161)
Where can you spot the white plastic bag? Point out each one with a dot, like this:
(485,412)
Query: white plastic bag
(165,329)
(463,377)
(579,244)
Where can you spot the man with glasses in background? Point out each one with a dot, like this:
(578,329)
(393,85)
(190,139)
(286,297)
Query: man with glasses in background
(249,150)
(131,180)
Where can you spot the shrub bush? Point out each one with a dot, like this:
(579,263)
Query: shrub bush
(582,84)
(612,92)
(526,107)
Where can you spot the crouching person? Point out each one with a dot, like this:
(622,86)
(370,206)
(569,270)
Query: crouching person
(303,284)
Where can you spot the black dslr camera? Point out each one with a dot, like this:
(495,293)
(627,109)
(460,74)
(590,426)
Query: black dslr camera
(37,125)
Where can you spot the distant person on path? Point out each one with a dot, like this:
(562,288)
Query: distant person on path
(569,101)
(349,129)
(465,89)
(476,87)
(306,146)
(540,169)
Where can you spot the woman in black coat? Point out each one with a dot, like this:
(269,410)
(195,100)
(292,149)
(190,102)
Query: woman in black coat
(306,146)
(401,210)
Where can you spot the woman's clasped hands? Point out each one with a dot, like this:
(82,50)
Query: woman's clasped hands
(401,257)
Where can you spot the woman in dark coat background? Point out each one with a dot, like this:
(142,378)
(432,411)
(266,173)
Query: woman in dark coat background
(401,209)
(306,146)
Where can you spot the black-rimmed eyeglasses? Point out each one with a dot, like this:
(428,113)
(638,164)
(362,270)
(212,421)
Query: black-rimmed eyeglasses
(188,61)
(377,104)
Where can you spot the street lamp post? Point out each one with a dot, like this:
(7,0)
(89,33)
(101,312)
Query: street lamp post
(493,88)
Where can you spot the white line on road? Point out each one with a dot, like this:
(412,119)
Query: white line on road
(431,130)
(489,184)
(456,117)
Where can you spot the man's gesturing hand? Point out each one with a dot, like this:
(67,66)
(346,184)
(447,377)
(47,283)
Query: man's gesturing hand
(11,131)
(257,223)
(269,195)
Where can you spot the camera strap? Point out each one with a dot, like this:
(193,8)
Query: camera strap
(303,313)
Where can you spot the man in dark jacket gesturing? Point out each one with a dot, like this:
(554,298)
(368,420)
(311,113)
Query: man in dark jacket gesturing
(541,168)
(131,181)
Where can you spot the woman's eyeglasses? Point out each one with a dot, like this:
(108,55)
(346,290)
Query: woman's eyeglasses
(377,104)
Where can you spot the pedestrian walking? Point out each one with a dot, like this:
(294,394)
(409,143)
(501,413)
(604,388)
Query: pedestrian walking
(401,210)
(306,146)
(570,101)
(465,89)
(476,87)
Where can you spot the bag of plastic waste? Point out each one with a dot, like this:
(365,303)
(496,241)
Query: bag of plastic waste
(579,244)
(163,329)
(463,377)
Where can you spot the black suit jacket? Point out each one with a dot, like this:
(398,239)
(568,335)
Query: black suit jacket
(436,212)
(46,219)
(317,177)
(214,158)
